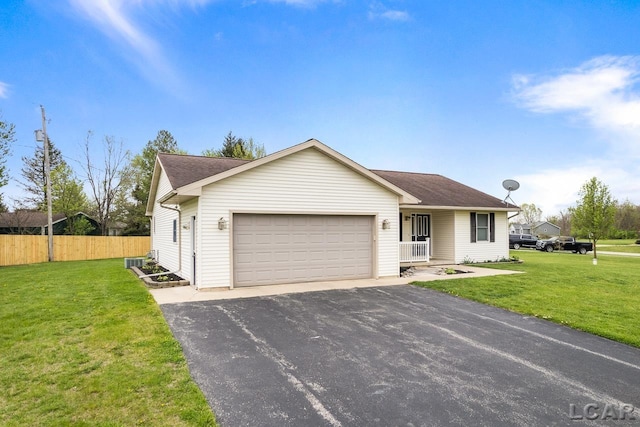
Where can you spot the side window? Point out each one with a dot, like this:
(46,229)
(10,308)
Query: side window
(175,230)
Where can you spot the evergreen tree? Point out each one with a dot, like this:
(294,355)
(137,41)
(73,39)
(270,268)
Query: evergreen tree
(35,177)
(237,148)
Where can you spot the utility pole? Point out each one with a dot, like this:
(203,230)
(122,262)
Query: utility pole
(47,170)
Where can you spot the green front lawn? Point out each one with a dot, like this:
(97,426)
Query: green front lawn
(84,343)
(615,242)
(630,249)
(565,288)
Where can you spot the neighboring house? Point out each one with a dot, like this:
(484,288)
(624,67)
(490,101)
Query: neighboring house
(116,228)
(308,213)
(517,228)
(35,222)
(545,228)
(542,228)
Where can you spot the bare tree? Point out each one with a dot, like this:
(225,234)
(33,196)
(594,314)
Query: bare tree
(106,182)
(529,213)
(7,137)
(565,222)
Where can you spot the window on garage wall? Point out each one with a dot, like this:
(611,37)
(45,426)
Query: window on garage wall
(175,230)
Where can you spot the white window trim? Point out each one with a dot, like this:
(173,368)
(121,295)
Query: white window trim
(478,227)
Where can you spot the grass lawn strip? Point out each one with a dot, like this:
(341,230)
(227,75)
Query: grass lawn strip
(83,343)
(564,288)
(632,249)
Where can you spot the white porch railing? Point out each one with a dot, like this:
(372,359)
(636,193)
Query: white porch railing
(414,251)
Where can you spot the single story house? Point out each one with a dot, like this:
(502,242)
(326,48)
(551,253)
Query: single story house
(309,213)
(36,223)
(545,228)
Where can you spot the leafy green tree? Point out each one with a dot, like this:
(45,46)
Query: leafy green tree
(237,148)
(140,172)
(78,226)
(595,212)
(627,220)
(35,177)
(68,197)
(7,137)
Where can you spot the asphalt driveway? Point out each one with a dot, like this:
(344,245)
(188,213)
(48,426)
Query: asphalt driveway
(399,356)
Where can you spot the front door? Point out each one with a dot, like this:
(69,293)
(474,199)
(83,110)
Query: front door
(420,227)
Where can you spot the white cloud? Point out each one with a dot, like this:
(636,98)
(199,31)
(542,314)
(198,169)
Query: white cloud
(378,11)
(556,189)
(604,95)
(115,19)
(4,90)
(602,91)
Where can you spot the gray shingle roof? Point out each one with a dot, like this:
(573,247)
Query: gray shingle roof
(184,169)
(26,219)
(437,190)
(431,189)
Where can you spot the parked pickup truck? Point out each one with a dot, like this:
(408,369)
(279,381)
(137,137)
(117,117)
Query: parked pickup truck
(564,243)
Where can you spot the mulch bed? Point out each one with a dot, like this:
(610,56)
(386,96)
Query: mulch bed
(161,281)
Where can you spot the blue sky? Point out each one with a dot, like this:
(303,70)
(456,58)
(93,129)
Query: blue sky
(544,92)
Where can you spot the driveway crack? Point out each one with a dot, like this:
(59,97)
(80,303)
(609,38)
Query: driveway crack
(286,369)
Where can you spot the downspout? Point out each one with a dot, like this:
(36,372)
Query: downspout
(179,230)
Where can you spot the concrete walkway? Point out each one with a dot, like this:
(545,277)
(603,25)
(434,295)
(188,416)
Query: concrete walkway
(423,274)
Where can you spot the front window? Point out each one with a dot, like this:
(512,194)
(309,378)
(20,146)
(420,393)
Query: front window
(482,227)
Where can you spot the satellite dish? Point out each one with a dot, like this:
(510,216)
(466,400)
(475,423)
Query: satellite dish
(510,185)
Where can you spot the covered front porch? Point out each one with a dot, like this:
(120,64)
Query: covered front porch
(426,238)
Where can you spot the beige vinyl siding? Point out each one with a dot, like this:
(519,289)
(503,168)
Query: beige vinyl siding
(441,238)
(306,182)
(442,235)
(480,251)
(406,226)
(188,210)
(162,235)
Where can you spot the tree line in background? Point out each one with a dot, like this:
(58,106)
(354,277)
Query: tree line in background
(112,185)
(596,214)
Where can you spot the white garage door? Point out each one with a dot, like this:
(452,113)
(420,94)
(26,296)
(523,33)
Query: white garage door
(270,249)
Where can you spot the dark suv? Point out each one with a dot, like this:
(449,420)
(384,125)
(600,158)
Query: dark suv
(517,241)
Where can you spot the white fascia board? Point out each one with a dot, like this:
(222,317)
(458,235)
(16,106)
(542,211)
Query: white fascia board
(155,179)
(459,208)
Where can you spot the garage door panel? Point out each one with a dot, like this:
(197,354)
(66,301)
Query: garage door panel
(272,249)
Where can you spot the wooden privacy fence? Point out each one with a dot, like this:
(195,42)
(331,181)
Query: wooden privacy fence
(20,249)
